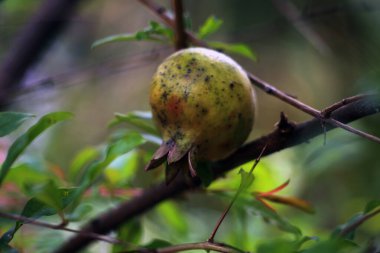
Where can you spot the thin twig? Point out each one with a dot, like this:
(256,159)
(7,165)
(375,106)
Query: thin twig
(292,14)
(327,111)
(180,35)
(219,247)
(227,210)
(268,88)
(60,226)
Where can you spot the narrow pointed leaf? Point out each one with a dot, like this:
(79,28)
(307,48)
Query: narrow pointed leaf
(140,120)
(291,201)
(246,180)
(372,205)
(234,48)
(210,26)
(275,190)
(275,219)
(10,121)
(24,140)
(154,32)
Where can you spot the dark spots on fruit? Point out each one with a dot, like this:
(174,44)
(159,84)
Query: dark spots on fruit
(176,84)
(204,111)
(196,105)
(186,94)
(207,79)
(178,67)
(174,76)
(161,115)
(178,135)
(232,85)
(165,67)
(164,96)
(188,71)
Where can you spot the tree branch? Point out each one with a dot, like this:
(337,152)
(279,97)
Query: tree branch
(180,35)
(33,40)
(275,141)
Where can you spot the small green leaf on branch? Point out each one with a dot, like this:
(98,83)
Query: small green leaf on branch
(24,140)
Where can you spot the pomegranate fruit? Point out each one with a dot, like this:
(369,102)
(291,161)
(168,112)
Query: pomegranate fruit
(203,104)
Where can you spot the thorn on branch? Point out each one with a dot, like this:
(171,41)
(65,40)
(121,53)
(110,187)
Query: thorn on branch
(284,125)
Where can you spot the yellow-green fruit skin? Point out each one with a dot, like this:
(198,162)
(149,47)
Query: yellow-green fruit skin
(202,99)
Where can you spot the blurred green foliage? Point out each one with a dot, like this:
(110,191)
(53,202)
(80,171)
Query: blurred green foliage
(99,167)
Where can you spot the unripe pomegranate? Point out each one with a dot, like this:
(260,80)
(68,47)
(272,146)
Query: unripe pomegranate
(203,104)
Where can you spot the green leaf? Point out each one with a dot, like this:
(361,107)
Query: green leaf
(277,246)
(372,205)
(83,158)
(50,195)
(10,121)
(6,238)
(49,200)
(154,32)
(32,174)
(121,146)
(329,246)
(210,26)
(236,48)
(273,218)
(35,209)
(173,217)
(24,140)
(351,234)
(246,180)
(79,213)
(122,169)
(156,244)
(141,120)
(131,232)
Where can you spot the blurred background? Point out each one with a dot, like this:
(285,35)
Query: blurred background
(320,51)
